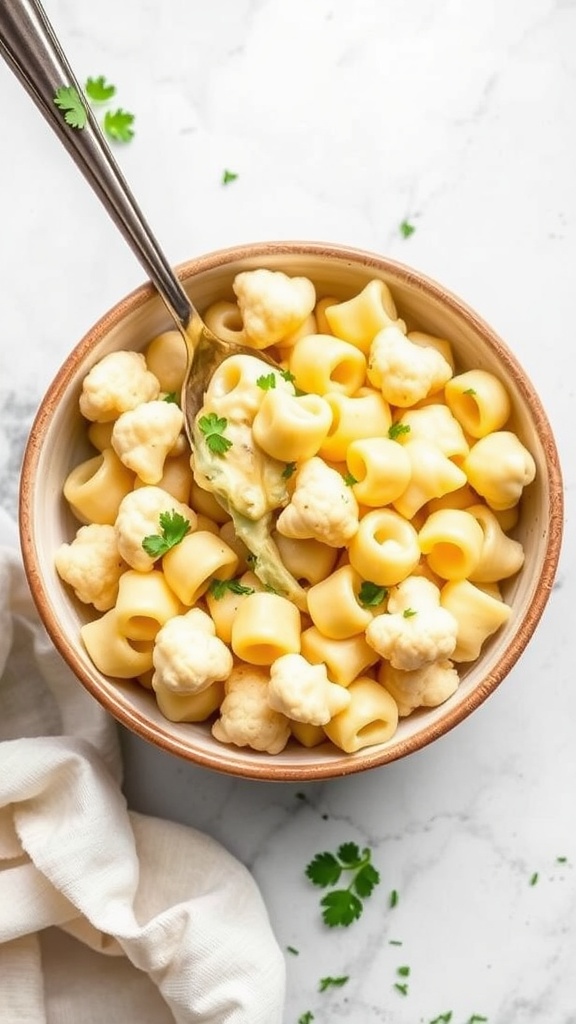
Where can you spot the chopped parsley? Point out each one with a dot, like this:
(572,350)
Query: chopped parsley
(213,427)
(228,176)
(174,528)
(333,982)
(267,381)
(349,480)
(393,899)
(408,613)
(69,101)
(341,907)
(401,987)
(534,878)
(469,391)
(306,1018)
(397,429)
(99,90)
(118,125)
(293,950)
(171,397)
(371,594)
(403,972)
(443,1018)
(289,470)
(219,588)
(406,228)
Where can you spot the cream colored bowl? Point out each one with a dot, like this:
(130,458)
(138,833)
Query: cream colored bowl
(58,442)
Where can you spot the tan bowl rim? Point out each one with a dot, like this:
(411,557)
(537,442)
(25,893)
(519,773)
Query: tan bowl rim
(369,757)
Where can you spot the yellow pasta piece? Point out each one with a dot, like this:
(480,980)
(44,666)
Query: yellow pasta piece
(381,469)
(290,427)
(95,488)
(166,358)
(334,607)
(113,653)
(194,562)
(432,476)
(223,609)
(225,320)
(385,547)
(265,627)
(206,504)
(322,325)
(360,318)
(309,560)
(322,363)
(452,541)
(344,659)
(501,556)
(228,534)
(479,401)
(499,467)
(189,707)
(307,735)
(308,326)
(100,434)
(365,414)
(463,497)
(144,603)
(370,718)
(176,478)
(477,613)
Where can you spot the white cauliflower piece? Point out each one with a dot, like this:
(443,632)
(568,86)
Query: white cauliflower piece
(188,656)
(118,382)
(303,692)
(321,506)
(92,565)
(246,718)
(425,687)
(139,517)
(272,304)
(414,631)
(143,437)
(404,371)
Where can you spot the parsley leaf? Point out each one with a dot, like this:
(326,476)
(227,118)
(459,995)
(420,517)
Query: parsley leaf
(443,1018)
(534,878)
(306,1018)
(68,100)
(341,907)
(370,594)
(476,1019)
(406,228)
(118,125)
(267,381)
(397,429)
(408,613)
(171,397)
(293,950)
(218,588)
(333,982)
(349,480)
(213,427)
(402,988)
(393,899)
(469,391)
(99,90)
(403,972)
(288,470)
(174,528)
(228,176)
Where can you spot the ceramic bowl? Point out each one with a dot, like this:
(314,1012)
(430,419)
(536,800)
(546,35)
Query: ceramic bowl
(57,442)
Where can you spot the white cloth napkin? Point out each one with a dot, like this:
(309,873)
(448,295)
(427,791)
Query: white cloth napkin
(107,915)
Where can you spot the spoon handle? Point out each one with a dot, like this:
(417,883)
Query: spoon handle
(31,49)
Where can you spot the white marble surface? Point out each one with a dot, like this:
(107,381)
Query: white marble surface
(341,119)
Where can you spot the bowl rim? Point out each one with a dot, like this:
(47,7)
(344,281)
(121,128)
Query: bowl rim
(266,769)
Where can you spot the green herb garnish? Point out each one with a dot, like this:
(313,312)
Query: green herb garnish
(228,176)
(408,613)
(213,427)
(403,972)
(218,588)
(118,125)
(469,391)
(267,381)
(343,906)
(371,594)
(349,480)
(406,228)
(171,397)
(289,470)
(443,1018)
(393,899)
(69,101)
(306,1018)
(174,528)
(293,950)
(397,429)
(534,878)
(99,90)
(401,987)
(333,982)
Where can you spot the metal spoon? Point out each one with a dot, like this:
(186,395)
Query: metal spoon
(31,48)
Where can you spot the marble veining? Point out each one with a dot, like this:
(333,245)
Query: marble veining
(342,120)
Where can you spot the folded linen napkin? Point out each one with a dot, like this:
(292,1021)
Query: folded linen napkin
(107,915)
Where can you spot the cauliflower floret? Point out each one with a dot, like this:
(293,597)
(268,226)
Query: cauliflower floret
(119,381)
(425,687)
(322,506)
(139,517)
(188,656)
(272,304)
(142,437)
(92,565)
(404,371)
(246,718)
(415,630)
(303,692)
